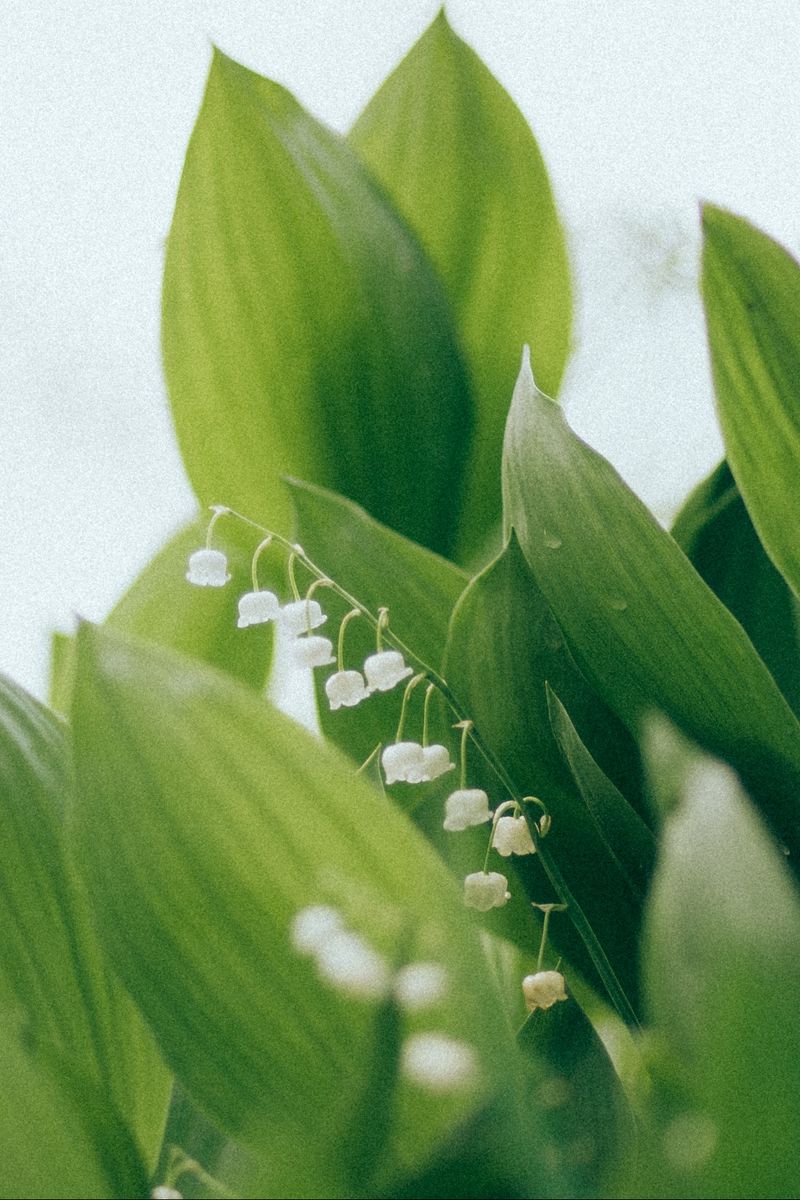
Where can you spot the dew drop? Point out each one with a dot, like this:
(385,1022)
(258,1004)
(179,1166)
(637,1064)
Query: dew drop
(618,604)
(551,541)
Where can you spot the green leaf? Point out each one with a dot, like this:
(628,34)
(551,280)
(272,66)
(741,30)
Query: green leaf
(751,289)
(380,569)
(587,1113)
(246,819)
(58,1137)
(644,627)
(456,154)
(723,983)
(504,646)
(715,531)
(304,329)
(52,970)
(628,840)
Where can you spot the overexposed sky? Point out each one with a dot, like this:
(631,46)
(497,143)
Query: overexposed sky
(640,109)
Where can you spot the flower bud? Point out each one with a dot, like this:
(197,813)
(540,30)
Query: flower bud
(512,836)
(312,652)
(208,568)
(255,608)
(420,985)
(403,762)
(486,889)
(437,1062)
(543,989)
(345,688)
(384,670)
(301,615)
(467,806)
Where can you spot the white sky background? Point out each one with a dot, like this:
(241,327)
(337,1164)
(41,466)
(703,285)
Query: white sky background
(640,110)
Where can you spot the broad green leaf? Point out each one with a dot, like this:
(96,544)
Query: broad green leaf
(59,1138)
(723,985)
(644,627)
(504,646)
(379,568)
(304,329)
(629,841)
(456,154)
(52,969)
(246,819)
(587,1113)
(751,290)
(715,531)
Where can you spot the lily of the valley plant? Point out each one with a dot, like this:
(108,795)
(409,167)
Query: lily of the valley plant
(518,916)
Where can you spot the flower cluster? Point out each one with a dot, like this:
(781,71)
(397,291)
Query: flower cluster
(347,962)
(380,672)
(343,958)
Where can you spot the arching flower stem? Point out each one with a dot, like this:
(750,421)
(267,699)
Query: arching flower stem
(218,510)
(259,550)
(346,619)
(553,872)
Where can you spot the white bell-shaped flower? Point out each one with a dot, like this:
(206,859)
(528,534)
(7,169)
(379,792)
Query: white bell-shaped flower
(345,688)
(543,990)
(467,806)
(162,1192)
(301,615)
(435,762)
(512,836)
(312,927)
(385,669)
(438,1063)
(486,889)
(418,986)
(312,652)
(208,568)
(403,762)
(256,608)
(350,964)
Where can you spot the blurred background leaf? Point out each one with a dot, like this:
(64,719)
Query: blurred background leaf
(53,972)
(722,973)
(60,1137)
(247,818)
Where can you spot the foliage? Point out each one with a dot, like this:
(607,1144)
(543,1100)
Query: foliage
(242,958)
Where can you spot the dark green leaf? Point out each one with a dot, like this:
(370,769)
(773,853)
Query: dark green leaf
(751,289)
(456,154)
(304,329)
(504,646)
(627,838)
(246,819)
(723,985)
(52,969)
(585,1108)
(715,531)
(642,624)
